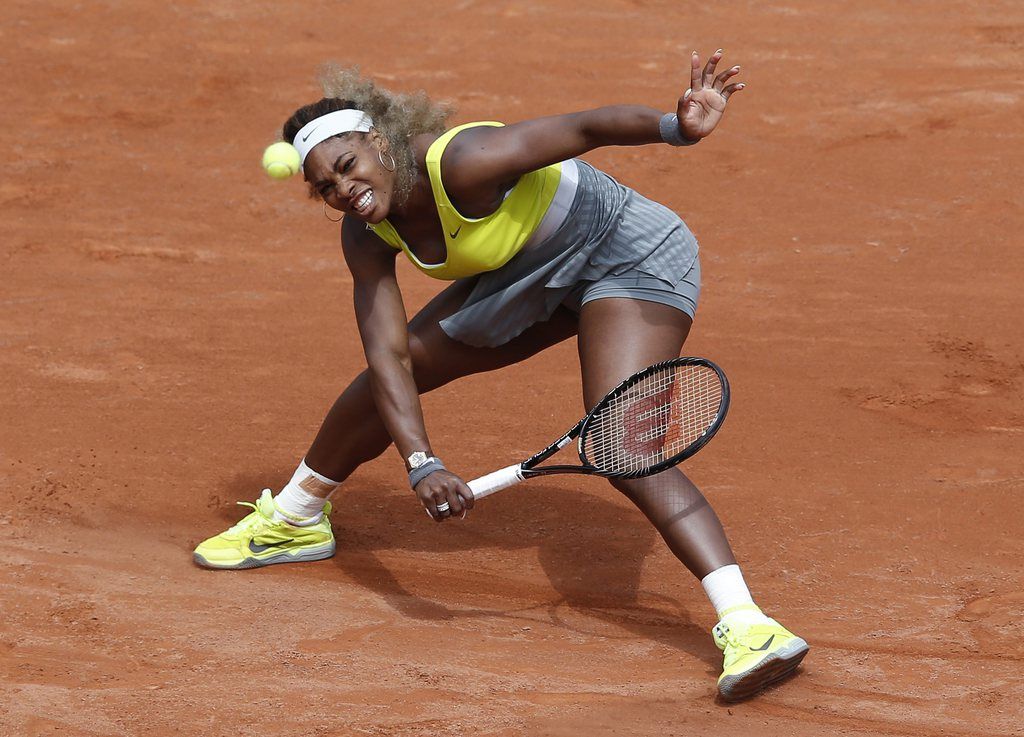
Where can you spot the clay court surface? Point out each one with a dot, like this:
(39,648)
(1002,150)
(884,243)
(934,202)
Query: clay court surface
(174,325)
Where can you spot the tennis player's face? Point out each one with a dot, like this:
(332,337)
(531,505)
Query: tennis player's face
(349,175)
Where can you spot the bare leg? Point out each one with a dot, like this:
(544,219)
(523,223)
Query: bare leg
(618,337)
(352,433)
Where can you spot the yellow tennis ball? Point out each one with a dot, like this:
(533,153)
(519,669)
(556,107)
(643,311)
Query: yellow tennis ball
(281,160)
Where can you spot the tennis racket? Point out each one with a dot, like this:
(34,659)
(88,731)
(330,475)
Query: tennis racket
(653,420)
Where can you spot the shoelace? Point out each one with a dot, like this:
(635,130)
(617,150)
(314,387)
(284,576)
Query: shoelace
(724,632)
(246,523)
(267,528)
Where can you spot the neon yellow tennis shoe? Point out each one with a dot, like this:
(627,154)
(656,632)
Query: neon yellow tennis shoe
(260,540)
(756,655)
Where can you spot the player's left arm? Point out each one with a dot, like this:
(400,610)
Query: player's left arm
(484,156)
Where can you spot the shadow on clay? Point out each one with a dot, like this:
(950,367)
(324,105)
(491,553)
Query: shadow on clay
(592,552)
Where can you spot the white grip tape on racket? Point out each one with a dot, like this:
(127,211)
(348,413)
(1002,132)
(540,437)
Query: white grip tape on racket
(500,479)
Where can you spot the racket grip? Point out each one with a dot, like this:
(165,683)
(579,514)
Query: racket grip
(492,482)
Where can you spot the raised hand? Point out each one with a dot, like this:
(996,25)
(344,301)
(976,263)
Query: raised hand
(703,105)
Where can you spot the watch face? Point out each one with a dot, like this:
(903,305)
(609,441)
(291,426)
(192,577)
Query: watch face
(417,459)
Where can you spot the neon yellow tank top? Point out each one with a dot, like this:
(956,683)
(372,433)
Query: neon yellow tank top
(476,245)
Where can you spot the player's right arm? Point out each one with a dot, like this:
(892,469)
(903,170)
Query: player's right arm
(382,321)
(383,329)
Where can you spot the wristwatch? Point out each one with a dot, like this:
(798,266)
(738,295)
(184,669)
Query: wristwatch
(417,459)
(421,465)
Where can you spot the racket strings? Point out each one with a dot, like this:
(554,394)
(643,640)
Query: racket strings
(654,420)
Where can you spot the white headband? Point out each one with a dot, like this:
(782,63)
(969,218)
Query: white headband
(320,129)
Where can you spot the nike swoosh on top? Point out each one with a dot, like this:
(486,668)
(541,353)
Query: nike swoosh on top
(456,233)
(765,645)
(306,137)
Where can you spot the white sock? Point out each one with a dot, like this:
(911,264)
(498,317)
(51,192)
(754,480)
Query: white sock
(296,504)
(727,590)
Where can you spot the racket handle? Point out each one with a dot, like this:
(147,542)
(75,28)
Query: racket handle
(492,482)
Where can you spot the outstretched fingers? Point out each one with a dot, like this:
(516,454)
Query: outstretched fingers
(701,108)
(725,76)
(709,68)
(732,88)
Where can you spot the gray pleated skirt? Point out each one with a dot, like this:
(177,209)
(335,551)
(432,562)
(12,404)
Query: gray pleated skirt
(609,230)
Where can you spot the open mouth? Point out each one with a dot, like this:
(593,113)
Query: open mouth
(363,203)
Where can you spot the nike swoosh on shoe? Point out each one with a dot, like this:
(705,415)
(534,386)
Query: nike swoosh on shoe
(258,548)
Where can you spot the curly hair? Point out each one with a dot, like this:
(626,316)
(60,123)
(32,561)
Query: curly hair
(398,116)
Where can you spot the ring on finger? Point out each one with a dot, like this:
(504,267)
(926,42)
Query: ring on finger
(443,507)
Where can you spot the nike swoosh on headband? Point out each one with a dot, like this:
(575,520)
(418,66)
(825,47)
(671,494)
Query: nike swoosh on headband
(306,137)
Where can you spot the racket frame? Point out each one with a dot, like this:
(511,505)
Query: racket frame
(530,469)
(689,450)
(516,473)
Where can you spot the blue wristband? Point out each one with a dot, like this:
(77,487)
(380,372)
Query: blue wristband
(670,133)
(418,474)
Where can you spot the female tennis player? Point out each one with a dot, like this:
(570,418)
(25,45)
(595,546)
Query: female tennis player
(538,246)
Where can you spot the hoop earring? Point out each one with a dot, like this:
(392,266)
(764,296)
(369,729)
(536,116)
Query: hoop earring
(329,217)
(380,155)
